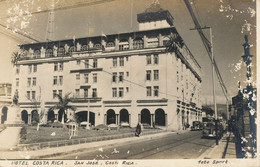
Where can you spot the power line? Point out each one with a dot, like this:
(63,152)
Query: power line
(77,5)
(20,33)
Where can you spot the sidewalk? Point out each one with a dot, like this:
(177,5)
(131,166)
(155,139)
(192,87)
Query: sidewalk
(64,150)
(225,150)
(9,138)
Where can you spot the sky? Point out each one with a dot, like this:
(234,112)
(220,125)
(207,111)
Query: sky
(230,21)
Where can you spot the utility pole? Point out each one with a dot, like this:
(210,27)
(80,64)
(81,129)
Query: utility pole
(213,79)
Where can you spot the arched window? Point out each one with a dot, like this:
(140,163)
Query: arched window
(110,44)
(97,46)
(49,53)
(72,49)
(37,53)
(166,41)
(61,51)
(84,47)
(124,44)
(138,43)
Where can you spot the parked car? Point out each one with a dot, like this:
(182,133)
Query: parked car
(196,125)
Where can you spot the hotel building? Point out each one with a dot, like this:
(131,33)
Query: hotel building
(119,78)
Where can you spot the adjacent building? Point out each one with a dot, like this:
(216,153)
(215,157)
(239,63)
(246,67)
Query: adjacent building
(148,76)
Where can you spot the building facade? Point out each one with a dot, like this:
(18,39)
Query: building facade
(5,100)
(119,78)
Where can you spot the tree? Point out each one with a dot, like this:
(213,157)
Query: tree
(63,104)
(16,56)
(175,39)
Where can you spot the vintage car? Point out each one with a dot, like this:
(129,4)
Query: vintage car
(209,129)
(196,125)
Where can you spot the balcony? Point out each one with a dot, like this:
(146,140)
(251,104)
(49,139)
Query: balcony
(83,99)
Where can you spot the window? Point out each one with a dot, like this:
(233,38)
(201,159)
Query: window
(28,81)
(60,93)
(34,82)
(35,68)
(148,75)
(37,53)
(29,68)
(94,78)
(124,44)
(177,77)
(33,95)
(49,53)
(97,46)
(17,82)
(114,62)
(72,49)
(61,66)
(54,92)
(28,95)
(156,59)
(94,92)
(138,43)
(87,63)
(121,76)
(17,69)
(61,51)
(85,93)
(127,74)
(86,77)
(121,92)
(78,62)
(156,91)
(84,47)
(110,44)
(148,91)
(148,59)
(156,74)
(114,77)
(114,92)
(55,80)
(127,89)
(55,66)
(121,61)
(77,77)
(77,93)
(95,63)
(60,80)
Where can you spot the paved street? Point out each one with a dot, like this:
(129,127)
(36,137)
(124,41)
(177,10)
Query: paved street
(173,146)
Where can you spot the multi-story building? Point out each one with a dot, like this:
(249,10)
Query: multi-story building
(5,100)
(126,77)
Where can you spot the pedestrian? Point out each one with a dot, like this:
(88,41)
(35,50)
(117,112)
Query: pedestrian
(138,130)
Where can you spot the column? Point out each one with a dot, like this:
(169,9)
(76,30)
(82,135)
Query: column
(29,119)
(56,117)
(105,119)
(117,119)
(139,118)
(152,115)
(129,116)
(145,42)
(166,120)
(0,117)
(130,43)
(160,40)
(116,44)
